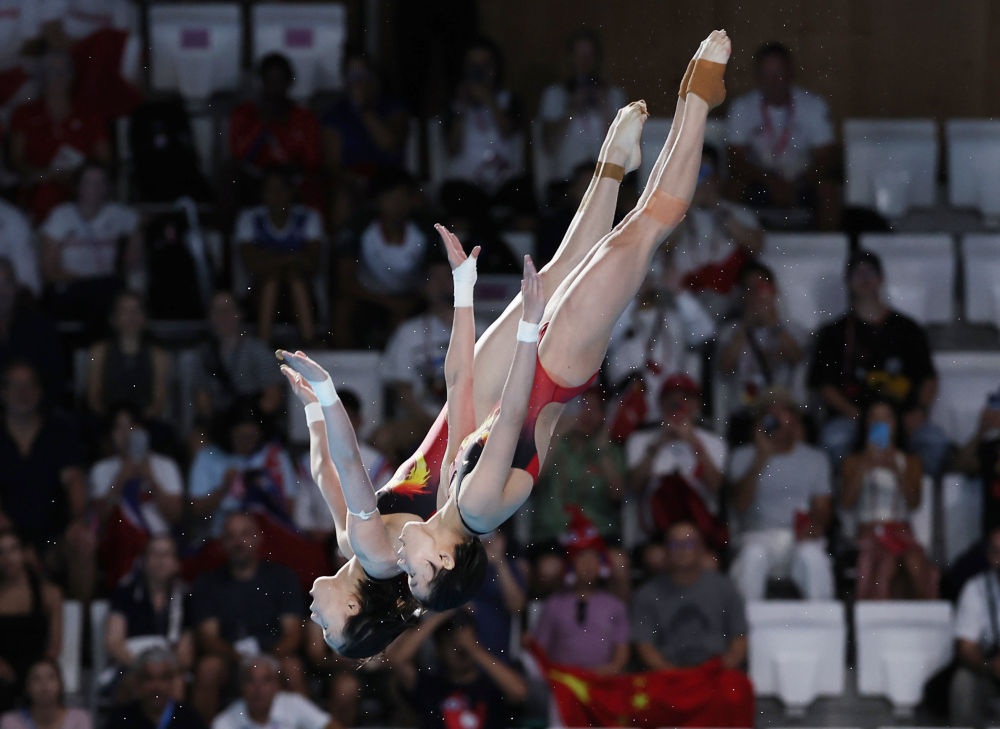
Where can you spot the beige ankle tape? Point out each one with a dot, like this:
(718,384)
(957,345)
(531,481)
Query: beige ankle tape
(612,171)
(683,90)
(707,81)
(665,208)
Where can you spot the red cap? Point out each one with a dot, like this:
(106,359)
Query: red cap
(582,534)
(681,382)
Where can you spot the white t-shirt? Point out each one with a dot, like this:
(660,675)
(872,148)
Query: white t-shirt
(310,228)
(390,268)
(487,158)
(288,711)
(16,245)
(972,616)
(91,246)
(310,512)
(704,241)
(780,138)
(585,131)
(415,355)
(749,379)
(139,506)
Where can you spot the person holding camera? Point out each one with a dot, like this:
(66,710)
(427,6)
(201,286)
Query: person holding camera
(975,684)
(783,503)
(882,484)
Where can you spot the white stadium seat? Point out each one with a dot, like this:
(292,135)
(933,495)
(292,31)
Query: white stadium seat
(891,165)
(71,647)
(311,35)
(974,164)
(919,273)
(196,49)
(98,628)
(900,645)
(352,370)
(965,380)
(922,518)
(809,268)
(797,650)
(981,271)
(962,507)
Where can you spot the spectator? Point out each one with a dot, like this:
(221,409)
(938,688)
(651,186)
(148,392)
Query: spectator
(81,248)
(127,368)
(158,705)
(274,130)
(882,484)
(232,365)
(576,113)
(467,687)
(585,626)
(876,352)
(558,214)
(242,609)
(757,351)
(264,704)
(485,155)
(149,609)
(42,486)
(310,512)
(17,245)
(248,471)
(501,599)
(52,136)
(674,471)
(381,265)
(45,702)
(30,618)
(280,248)
(783,501)
(18,27)
(27,335)
(364,133)
(980,458)
(716,240)
(688,615)
(137,494)
(975,685)
(782,148)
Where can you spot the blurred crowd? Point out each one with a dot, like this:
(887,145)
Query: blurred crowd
(727,456)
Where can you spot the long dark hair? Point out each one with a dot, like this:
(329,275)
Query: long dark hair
(861,432)
(455,587)
(386,609)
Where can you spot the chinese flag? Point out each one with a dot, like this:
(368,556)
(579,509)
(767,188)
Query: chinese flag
(705,696)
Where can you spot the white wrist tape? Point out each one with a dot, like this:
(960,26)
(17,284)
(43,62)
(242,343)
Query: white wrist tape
(464,276)
(527,332)
(314,413)
(325,391)
(364,515)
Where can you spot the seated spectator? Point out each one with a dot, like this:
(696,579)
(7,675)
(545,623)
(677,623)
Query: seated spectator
(689,614)
(247,470)
(980,458)
(43,490)
(149,609)
(127,368)
(18,28)
(310,512)
(159,689)
(381,265)
(576,113)
(716,240)
(783,501)
(280,248)
(485,158)
(45,699)
(585,625)
(233,365)
(975,686)
(757,351)
(782,145)
(465,687)
(240,610)
(52,136)
(17,245)
(25,334)
(674,471)
(274,131)
(502,598)
(30,618)
(264,704)
(137,494)
(84,261)
(364,133)
(876,352)
(882,485)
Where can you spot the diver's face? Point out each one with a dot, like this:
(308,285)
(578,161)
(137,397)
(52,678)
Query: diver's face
(421,556)
(334,602)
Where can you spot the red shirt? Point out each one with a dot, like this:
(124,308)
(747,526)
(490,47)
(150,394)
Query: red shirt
(295,140)
(43,136)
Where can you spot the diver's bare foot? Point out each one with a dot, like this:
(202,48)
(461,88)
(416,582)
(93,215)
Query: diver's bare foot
(707,76)
(716,48)
(621,146)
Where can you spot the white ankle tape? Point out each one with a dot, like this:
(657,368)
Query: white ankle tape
(325,391)
(314,413)
(464,277)
(527,332)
